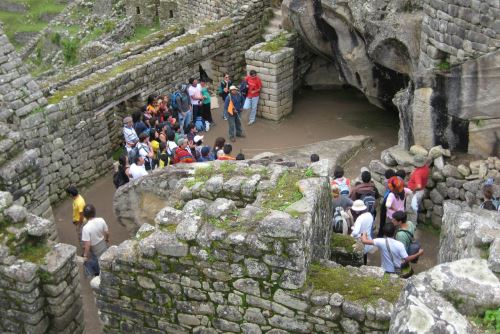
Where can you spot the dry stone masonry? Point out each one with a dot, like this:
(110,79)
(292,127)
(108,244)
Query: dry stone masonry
(39,282)
(239,248)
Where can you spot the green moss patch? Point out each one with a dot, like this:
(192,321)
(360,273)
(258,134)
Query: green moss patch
(354,288)
(34,252)
(276,44)
(285,193)
(488,323)
(344,241)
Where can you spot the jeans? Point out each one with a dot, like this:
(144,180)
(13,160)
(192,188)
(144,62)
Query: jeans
(185,120)
(234,125)
(251,103)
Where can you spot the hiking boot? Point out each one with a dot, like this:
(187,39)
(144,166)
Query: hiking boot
(232,139)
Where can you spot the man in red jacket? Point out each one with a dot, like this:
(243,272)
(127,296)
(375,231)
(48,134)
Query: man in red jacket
(254,87)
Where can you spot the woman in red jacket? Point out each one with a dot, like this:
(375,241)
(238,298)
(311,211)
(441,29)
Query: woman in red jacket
(252,100)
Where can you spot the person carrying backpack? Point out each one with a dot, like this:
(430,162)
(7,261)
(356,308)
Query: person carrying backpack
(490,202)
(405,233)
(223,90)
(122,175)
(343,182)
(342,221)
(367,192)
(183,103)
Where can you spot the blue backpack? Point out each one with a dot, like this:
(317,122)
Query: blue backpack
(199,124)
(173,100)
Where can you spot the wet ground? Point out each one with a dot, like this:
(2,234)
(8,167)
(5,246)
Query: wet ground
(317,116)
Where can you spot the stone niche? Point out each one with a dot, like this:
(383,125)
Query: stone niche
(240,247)
(39,283)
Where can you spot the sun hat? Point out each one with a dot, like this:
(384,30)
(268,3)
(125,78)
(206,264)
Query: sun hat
(233,88)
(197,138)
(419,161)
(358,205)
(127,119)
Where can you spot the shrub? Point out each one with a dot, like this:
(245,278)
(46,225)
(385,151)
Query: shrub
(70,49)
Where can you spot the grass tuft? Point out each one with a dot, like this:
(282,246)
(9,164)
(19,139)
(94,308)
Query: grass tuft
(344,241)
(285,193)
(276,44)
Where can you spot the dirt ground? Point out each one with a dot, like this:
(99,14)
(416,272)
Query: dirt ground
(317,116)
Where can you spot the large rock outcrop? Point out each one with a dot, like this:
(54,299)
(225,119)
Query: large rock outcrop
(436,61)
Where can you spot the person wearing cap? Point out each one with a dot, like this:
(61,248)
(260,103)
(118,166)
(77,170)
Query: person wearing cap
(418,181)
(182,154)
(198,145)
(232,108)
(205,154)
(183,102)
(252,98)
(363,224)
(129,133)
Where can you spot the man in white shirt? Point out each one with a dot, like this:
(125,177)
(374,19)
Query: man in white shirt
(95,237)
(392,252)
(129,133)
(194,91)
(362,224)
(137,169)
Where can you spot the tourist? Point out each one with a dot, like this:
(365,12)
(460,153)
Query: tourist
(490,202)
(192,132)
(418,181)
(240,156)
(122,175)
(343,182)
(95,237)
(396,200)
(78,206)
(226,155)
(383,210)
(154,142)
(342,218)
(183,103)
(198,142)
(182,154)
(367,192)
(194,92)
(129,133)
(392,252)
(363,223)
(405,232)
(223,91)
(165,155)
(232,108)
(206,108)
(137,169)
(205,155)
(218,147)
(145,150)
(252,98)
(314,158)
(139,125)
(401,173)
(339,201)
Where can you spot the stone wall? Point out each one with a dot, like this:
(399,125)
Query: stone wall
(454,31)
(39,283)
(462,184)
(194,12)
(232,255)
(275,69)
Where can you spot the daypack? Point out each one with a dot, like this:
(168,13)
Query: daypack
(119,180)
(492,204)
(199,123)
(133,153)
(244,88)
(173,100)
(414,245)
(338,220)
(147,160)
(370,202)
(344,185)
(167,157)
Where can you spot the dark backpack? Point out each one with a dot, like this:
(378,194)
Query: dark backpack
(244,88)
(414,245)
(491,204)
(173,100)
(338,220)
(119,179)
(199,124)
(370,202)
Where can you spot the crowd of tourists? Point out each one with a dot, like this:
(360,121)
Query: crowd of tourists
(169,128)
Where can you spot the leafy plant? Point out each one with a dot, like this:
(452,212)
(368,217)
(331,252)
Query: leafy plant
(70,49)
(444,66)
(55,38)
(109,26)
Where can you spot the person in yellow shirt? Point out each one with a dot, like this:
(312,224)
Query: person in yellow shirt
(78,205)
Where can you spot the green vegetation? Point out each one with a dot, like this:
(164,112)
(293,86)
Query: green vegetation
(118,153)
(55,38)
(229,223)
(276,44)
(352,287)
(345,241)
(31,20)
(443,66)
(490,322)
(70,48)
(309,173)
(138,60)
(285,193)
(484,250)
(428,227)
(34,251)
(109,26)
(140,32)
(145,234)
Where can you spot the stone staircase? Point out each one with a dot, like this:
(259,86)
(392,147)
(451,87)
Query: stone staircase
(275,25)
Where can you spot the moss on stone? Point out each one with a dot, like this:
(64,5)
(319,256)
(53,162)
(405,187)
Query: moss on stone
(363,289)
(34,252)
(276,44)
(285,193)
(343,241)
(139,60)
